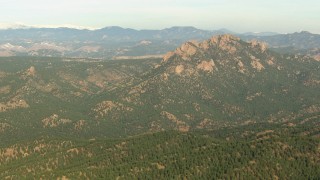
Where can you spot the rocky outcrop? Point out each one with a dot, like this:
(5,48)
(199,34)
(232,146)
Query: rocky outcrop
(13,104)
(31,71)
(256,64)
(179,69)
(79,125)
(260,45)
(206,66)
(317,57)
(54,121)
(226,42)
(185,51)
(180,125)
(104,108)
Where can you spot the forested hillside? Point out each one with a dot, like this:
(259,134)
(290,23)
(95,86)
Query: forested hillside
(166,155)
(222,108)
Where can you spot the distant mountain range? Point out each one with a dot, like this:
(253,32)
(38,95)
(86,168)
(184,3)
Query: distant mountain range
(116,41)
(299,40)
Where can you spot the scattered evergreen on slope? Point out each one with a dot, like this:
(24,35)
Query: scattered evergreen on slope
(166,155)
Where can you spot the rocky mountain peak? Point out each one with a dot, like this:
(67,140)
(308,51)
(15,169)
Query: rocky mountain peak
(219,52)
(227,44)
(224,39)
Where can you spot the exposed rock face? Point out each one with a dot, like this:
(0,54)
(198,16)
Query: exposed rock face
(226,42)
(241,66)
(179,69)
(79,125)
(261,45)
(54,121)
(13,104)
(31,71)
(271,61)
(181,125)
(186,50)
(256,64)
(205,123)
(106,107)
(222,40)
(317,57)
(206,66)
(168,56)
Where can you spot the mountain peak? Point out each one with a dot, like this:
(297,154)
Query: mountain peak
(221,51)
(305,32)
(225,42)
(225,38)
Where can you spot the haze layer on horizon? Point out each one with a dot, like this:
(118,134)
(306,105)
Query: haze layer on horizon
(241,16)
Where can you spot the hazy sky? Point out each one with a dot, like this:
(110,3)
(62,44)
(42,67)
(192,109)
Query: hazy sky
(237,15)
